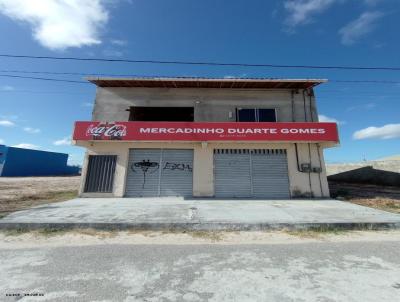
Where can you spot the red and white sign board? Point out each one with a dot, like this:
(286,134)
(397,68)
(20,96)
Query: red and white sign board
(205,131)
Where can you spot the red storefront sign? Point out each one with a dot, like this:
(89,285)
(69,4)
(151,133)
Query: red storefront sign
(205,131)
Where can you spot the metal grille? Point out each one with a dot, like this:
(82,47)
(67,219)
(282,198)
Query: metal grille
(260,173)
(100,173)
(159,172)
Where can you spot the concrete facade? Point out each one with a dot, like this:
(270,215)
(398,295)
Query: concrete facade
(210,105)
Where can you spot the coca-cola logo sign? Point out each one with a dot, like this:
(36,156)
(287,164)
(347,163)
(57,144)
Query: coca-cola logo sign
(106,131)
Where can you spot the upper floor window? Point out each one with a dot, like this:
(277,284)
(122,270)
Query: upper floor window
(162,114)
(255,115)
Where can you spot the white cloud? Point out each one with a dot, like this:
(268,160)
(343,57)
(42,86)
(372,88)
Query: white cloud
(87,104)
(372,2)
(119,42)
(367,106)
(26,146)
(385,132)
(6,88)
(59,24)
(359,27)
(66,141)
(6,123)
(326,119)
(112,53)
(301,11)
(75,159)
(31,130)
(1,141)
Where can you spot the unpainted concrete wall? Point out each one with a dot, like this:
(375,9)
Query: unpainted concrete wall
(210,105)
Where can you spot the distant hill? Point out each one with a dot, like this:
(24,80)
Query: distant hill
(393,157)
(389,163)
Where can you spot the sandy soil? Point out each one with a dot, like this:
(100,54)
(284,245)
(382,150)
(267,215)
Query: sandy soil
(379,197)
(17,193)
(93,237)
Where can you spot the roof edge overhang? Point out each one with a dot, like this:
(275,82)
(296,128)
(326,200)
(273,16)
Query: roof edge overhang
(191,82)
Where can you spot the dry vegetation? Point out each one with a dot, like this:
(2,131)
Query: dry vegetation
(18,193)
(379,197)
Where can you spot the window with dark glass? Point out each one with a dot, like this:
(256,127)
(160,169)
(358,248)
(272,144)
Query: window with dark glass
(255,115)
(246,115)
(162,114)
(266,115)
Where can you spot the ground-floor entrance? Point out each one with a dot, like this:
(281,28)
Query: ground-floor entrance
(159,172)
(207,169)
(246,173)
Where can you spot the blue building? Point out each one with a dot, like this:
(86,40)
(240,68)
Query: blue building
(27,162)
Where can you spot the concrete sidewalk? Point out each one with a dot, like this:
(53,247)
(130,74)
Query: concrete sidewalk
(200,214)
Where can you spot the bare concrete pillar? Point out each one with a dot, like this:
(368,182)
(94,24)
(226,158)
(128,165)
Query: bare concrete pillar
(203,171)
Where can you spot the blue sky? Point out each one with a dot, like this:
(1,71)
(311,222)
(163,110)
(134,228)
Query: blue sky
(298,32)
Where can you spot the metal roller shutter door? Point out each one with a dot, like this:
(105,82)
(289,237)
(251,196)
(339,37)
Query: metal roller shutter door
(159,172)
(177,173)
(251,173)
(232,173)
(270,174)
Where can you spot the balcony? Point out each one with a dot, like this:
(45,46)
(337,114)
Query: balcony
(206,131)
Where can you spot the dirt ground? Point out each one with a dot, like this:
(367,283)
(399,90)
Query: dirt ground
(379,197)
(17,193)
(82,237)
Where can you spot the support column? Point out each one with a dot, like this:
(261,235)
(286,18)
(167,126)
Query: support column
(203,171)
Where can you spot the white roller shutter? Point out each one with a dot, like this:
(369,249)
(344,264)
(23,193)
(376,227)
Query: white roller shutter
(251,173)
(159,172)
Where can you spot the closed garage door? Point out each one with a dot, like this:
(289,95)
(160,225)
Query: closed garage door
(159,172)
(251,173)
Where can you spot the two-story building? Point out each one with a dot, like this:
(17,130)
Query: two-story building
(196,137)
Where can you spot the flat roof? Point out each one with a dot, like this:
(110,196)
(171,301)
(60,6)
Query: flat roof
(192,82)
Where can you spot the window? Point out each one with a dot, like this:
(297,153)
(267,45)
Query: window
(162,114)
(255,115)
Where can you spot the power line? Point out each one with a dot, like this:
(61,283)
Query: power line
(43,79)
(69,73)
(366,81)
(42,92)
(158,76)
(202,63)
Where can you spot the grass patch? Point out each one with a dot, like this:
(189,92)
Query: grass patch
(15,232)
(8,206)
(96,233)
(49,232)
(315,232)
(51,196)
(385,204)
(209,235)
